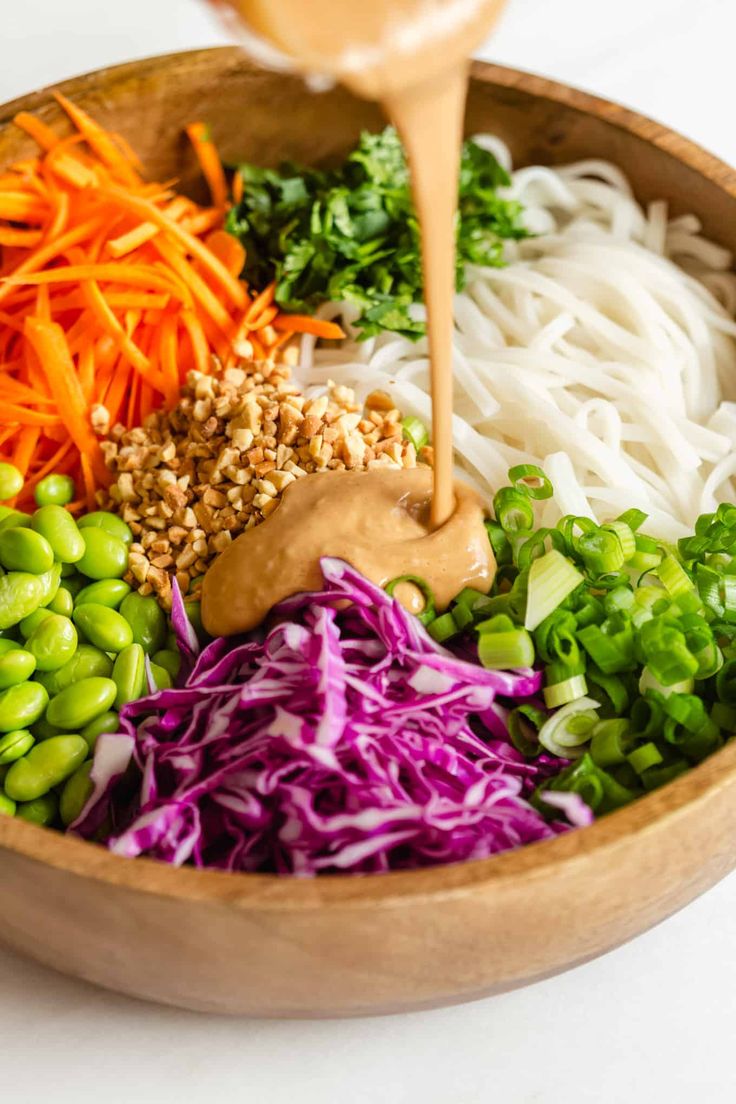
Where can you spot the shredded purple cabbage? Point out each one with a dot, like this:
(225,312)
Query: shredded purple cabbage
(344,739)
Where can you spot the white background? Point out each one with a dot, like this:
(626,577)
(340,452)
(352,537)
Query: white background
(652,1022)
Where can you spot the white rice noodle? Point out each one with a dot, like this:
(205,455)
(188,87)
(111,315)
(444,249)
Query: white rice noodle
(604,351)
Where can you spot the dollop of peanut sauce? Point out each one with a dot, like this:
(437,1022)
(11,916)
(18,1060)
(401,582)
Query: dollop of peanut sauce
(378,521)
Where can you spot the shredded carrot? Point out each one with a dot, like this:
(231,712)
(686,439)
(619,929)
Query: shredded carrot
(209,162)
(304,323)
(22,238)
(237,187)
(112,289)
(228,250)
(41,134)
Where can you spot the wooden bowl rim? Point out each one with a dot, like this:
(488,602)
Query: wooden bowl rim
(271,892)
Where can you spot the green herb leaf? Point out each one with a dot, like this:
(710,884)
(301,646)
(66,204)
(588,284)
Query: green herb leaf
(351,233)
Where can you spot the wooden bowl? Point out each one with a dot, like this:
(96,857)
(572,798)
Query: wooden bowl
(343,945)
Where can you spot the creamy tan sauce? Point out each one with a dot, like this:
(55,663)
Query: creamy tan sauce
(412,56)
(378,520)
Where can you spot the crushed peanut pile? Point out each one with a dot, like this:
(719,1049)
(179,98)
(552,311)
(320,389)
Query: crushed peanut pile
(192,479)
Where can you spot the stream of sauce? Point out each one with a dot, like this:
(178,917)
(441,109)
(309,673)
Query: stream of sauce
(412,56)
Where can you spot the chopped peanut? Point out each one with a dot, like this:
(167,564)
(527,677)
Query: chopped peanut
(192,479)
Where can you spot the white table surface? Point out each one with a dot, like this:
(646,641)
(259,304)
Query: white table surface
(654,1021)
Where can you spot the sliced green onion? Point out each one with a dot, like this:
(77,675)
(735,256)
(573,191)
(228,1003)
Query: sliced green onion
(666,652)
(551,578)
(647,554)
(726,513)
(569,691)
(531,480)
(415,431)
(428,613)
(590,610)
(687,710)
(726,683)
(463,617)
(499,542)
(524,723)
(443,628)
(613,686)
(601,551)
(647,681)
(625,535)
(541,542)
(556,728)
(728,587)
(618,599)
(555,639)
(598,788)
(724,716)
(708,582)
(710,660)
(611,646)
(609,741)
(567,526)
(644,757)
(689,602)
(503,649)
(633,518)
(673,577)
(647,717)
(468,596)
(655,777)
(513,509)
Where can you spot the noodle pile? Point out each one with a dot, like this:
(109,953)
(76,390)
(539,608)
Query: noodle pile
(604,352)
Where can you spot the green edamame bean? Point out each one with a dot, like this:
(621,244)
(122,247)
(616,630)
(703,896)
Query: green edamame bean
(8,645)
(106,722)
(75,794)
(44,810)
(105,592)
(15,519)
(11,481)
(161,678)
(103,627)
(53,642)
(60,529)
(14,745)
(15,667)
(62,603)
(87,662)
(42,730)
(171,642)
(80,703)
(51,581)
(54,490)
(24,550)
(22,705)
(104,557)
(147,620)
(7,807)
(46,765)
(129,675)
(169,659)
(30,623)
(20,594)
(6,511)
(111,523)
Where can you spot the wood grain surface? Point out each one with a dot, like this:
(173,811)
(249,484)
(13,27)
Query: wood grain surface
(270,946)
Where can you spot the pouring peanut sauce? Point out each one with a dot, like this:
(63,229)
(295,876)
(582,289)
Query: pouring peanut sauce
(412,56)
